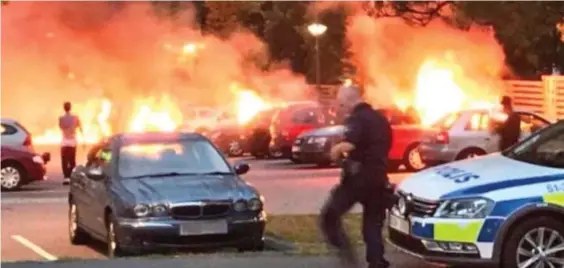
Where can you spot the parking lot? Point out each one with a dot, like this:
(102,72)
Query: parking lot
(34,222)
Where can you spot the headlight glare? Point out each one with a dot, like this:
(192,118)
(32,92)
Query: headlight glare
(240,205)
(470,208)
(141,210)
(255,204)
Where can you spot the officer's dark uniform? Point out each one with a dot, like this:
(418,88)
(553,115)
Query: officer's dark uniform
(510,130)
(364,180)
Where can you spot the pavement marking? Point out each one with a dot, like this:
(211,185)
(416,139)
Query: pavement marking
(41,252)
(23,200)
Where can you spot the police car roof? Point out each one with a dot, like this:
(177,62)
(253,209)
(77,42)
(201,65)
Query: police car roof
(156,136)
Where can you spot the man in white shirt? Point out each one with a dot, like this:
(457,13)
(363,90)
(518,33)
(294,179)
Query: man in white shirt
(68,123)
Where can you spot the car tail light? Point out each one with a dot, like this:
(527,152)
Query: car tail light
(442,137)
(27,141)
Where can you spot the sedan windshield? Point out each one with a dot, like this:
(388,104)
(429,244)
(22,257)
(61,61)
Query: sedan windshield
(545,147)
(185,157)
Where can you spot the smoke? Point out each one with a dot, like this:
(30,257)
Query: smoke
(388,53)
(65,51)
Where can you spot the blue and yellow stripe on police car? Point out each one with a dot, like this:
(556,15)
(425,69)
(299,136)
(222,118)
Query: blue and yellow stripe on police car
(451,230)
(556,198)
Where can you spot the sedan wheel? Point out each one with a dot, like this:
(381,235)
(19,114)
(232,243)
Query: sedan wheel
(414,161)
(235,148)
(114,250)
(11,177)
(77,236)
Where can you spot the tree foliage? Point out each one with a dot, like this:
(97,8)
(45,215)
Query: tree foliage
(527,31)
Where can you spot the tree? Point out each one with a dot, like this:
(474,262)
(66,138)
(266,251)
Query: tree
(418,13)
(527,31)
(225,17)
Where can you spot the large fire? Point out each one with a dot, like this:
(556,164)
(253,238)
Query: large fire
(150,114)
(440,89)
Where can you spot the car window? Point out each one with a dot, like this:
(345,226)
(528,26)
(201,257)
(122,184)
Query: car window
(184,157)
(531,123)
(8,130)
(478,122)
(447,121)
(307,116)
(545,147)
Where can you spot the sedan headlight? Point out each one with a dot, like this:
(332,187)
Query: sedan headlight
(469,208)
(240,205)
(255,204)
(38,159)
(320,140)
(159,210)
(141,210)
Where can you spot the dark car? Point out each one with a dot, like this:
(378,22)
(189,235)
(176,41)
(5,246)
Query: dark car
(291,121)
(21,166)
(258,133)
(314,146)
(230,139)
(159,190)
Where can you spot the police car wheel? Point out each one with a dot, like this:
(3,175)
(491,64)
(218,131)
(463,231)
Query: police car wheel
(536,242)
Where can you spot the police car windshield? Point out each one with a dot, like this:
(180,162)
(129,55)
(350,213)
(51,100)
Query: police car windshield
(545,148)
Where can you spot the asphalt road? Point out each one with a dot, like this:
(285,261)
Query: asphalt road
(34,220)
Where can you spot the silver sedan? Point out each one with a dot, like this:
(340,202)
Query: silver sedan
(468,134)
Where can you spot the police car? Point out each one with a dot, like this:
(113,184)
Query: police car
(505,209)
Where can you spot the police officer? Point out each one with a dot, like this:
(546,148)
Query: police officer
(510,130)
(364,179)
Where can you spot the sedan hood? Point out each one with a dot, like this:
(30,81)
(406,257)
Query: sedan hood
(475,177)
(186,188)
(325,131)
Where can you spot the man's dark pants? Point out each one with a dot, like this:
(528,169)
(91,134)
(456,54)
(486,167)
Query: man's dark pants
(342,199)
(68,160)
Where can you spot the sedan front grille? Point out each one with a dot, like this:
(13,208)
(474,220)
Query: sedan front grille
(197,210)
(422,207)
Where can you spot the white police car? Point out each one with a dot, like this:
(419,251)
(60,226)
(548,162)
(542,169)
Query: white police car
(505,209)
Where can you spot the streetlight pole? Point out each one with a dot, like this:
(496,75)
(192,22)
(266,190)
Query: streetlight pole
(317,29)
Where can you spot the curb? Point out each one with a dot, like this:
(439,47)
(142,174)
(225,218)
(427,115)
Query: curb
(277,244)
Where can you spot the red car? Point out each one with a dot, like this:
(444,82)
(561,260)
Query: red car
(314,146)
(291,121)
(21,166)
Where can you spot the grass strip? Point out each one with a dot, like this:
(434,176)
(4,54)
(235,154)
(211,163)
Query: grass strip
(304,231)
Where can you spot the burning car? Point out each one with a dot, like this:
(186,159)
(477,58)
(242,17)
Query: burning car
(152,190)
(230,139)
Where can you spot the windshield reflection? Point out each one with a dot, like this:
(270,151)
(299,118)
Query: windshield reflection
(545,148)
(187,157)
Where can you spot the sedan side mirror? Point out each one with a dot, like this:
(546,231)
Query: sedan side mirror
(241,168)
(95,173)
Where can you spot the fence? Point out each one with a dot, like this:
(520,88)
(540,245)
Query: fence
(545,97)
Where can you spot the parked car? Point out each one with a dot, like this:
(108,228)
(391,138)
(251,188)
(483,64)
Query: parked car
(291,121)
(258,133)
(468,134)
(204,119)
(21,166)
(14,134)
(146,191)
(314,146)
(230,139)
